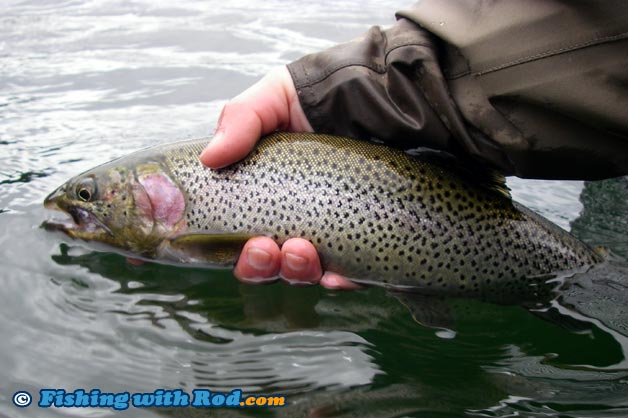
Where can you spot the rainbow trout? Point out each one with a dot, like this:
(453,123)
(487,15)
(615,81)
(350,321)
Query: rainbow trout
(376,215)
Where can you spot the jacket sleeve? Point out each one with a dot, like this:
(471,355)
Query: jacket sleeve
(537,109)
(385,86)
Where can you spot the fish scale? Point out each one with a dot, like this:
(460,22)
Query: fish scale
(375,214)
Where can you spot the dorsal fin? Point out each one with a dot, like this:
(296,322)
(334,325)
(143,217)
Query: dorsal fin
(497,183)
(465,168)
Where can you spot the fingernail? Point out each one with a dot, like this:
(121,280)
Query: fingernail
(295,262)
(331,281)
(211,141)
(258,259)
(219,123)
(206,150)
(217,136)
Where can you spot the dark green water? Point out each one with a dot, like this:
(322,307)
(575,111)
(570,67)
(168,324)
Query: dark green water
(83,82)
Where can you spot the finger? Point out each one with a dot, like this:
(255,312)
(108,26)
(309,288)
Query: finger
(300,263)
(259,261)
(335,281)
(259,110)
(269,105)
(240,129)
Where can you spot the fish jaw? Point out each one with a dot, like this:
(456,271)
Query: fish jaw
(82,223)
(52,200)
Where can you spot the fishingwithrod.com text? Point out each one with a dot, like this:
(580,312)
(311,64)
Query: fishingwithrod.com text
(160,398)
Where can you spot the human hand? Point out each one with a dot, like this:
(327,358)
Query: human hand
(269,105)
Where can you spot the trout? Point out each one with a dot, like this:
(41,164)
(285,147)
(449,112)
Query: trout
(375,214)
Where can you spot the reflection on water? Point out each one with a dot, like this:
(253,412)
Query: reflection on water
(83,82)
(603,220)
(258,338)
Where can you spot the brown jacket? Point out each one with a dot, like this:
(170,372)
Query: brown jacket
(535,88)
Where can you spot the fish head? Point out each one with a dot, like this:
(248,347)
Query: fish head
(119,205)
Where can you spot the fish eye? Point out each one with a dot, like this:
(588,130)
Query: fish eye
(86,190)
(84,194)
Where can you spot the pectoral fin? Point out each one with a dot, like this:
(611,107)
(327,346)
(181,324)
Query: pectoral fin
(215,249)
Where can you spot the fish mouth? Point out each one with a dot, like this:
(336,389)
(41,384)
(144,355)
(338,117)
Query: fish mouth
(80,223)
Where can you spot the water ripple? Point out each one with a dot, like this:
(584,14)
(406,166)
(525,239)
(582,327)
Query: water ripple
(87,81)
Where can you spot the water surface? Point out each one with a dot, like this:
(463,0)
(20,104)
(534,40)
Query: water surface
(82,82)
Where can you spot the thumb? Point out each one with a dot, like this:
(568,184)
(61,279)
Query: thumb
(268,105)
(239,128)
